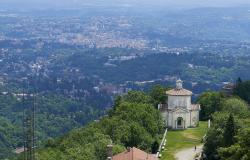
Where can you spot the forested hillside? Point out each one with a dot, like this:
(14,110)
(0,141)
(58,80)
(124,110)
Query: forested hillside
(55,116)
(133,121)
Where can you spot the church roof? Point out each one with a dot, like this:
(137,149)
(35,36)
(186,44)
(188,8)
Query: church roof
(134,154)
(179,92)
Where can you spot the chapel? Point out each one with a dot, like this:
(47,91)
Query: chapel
(179,112)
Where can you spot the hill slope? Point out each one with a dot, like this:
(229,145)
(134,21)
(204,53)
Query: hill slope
(132,122)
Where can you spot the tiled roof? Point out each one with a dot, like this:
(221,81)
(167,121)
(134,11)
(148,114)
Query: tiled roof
(19,150)
(179,92)
(134,154)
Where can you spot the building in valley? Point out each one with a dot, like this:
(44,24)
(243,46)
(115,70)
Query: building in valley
(179,112)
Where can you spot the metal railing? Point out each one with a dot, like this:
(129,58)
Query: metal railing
(163,143)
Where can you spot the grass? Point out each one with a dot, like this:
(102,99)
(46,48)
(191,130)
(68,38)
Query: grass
(178,140)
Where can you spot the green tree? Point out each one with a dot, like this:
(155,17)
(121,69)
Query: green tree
(215,137)
(240,150)
(118,101)
(136,137)
(243,90)
(235,106)
(229,132)
(158,94)
(134,122)
(137,97)
(210,102)
(212,142)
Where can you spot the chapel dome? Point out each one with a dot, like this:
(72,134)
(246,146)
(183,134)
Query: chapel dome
(179,90)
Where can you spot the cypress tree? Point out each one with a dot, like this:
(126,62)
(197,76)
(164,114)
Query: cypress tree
(229,131)
(239,81)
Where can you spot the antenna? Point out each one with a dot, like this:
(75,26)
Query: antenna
(24,127)
(29,108)
(34,125)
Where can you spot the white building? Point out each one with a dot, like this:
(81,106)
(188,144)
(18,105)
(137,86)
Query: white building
(179,112)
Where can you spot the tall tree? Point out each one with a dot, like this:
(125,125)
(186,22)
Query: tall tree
(238,81)
(236,106)
(229,132)
(158,94)
(240,150)
(242,90)
(210,102)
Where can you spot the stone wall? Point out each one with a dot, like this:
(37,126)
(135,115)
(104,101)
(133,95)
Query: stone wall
(179,101)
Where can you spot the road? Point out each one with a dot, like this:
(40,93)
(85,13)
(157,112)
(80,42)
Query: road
(188,154)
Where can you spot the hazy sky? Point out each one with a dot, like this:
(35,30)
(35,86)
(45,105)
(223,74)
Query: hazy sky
(165,3)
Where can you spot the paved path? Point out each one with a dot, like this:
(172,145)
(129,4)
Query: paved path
(188,154)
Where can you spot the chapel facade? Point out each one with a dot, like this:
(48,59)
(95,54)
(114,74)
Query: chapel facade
(179,112)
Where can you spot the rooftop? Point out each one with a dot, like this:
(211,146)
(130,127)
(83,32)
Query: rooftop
(134,154)
(179,90)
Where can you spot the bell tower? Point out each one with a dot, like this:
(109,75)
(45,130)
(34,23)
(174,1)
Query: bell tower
(179,84)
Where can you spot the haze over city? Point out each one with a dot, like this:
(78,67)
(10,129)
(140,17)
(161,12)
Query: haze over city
(128,3)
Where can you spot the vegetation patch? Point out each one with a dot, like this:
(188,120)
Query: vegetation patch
(178,140)
(132,122)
